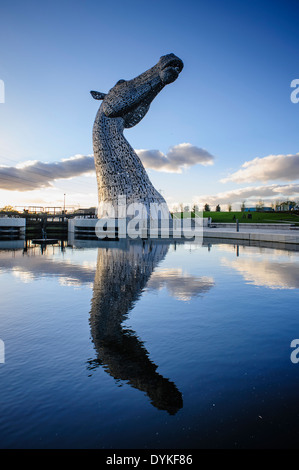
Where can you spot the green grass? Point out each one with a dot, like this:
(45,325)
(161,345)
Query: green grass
(257,217)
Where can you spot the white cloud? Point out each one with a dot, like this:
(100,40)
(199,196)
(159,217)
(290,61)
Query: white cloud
(32,175)
(251,194)
(178,158)
(272,167)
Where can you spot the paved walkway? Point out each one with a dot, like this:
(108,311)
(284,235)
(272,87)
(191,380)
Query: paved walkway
(262,234)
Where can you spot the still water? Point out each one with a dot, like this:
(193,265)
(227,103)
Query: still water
(150,344)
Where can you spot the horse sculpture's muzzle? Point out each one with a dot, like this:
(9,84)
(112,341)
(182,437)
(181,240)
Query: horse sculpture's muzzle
(170,68)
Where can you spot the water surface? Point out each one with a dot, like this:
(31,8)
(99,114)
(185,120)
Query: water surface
(151,344)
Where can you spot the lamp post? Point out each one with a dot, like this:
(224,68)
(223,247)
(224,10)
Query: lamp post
(64,203)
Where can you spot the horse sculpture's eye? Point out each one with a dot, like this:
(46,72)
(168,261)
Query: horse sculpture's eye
(120,81)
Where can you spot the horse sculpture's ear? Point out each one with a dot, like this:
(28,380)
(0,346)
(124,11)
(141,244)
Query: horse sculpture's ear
(97,95)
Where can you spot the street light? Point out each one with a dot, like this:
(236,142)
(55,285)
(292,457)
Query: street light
(64,203)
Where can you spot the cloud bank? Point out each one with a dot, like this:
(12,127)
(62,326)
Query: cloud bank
(178,158)
(32,175)
(250,193)
(270,168)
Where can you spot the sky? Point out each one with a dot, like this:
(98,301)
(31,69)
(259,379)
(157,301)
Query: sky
(224,132)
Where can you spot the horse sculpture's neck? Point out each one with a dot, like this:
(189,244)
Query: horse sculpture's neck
(119,169)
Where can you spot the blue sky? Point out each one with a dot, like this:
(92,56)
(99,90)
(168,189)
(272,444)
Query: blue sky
(232,98)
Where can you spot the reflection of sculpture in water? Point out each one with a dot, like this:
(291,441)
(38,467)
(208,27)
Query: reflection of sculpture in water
(121,275)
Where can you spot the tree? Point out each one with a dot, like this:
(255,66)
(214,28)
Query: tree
(7,209)
(229,207)
(288,205)
(218,208)
(207,208)
(243,206)
(260,205)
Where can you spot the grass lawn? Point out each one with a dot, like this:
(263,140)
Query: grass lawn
(257,217)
